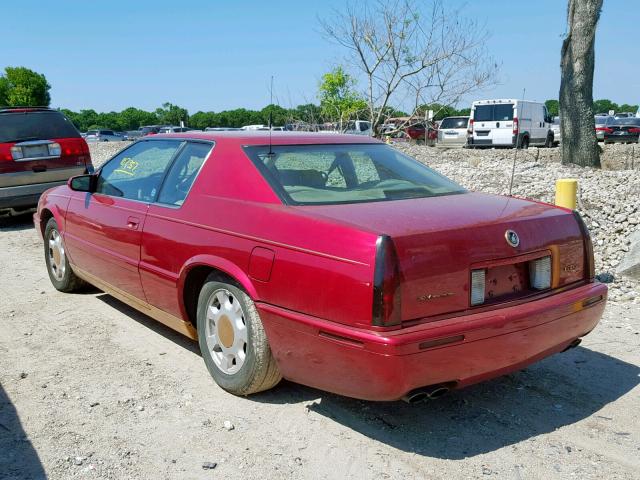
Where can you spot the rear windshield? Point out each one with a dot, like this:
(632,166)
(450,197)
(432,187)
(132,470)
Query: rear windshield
(334,174)
(627,121)
(454,122)
(24,126)
(493,113)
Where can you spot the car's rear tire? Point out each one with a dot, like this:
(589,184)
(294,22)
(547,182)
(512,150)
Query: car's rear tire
(232,340)
(524,143)
(55,257)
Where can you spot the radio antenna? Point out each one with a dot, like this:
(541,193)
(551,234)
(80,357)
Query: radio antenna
(515,154)
(270,115)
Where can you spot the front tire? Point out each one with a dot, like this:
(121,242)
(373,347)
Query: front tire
(55,257)
(232,340)
(524,143)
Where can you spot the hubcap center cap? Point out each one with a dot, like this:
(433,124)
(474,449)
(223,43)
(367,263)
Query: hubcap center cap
(225,331)
(56,256)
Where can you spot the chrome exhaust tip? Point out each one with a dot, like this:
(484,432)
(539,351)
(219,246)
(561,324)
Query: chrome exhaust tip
(423,394)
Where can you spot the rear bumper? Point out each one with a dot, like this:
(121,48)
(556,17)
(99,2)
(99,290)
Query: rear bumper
(387,365)
(23,196)
(475,142)
(621,138)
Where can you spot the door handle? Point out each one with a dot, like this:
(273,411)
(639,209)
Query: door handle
(133,222)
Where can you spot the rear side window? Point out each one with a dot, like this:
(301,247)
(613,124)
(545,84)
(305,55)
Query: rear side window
(24,126)
(493,113)
(183,173)
(136,173)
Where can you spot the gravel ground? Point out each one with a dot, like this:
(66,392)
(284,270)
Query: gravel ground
(92,389)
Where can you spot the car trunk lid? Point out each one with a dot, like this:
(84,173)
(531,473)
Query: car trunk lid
(440,240)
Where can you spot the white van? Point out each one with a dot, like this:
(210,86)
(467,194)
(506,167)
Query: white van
(509,123)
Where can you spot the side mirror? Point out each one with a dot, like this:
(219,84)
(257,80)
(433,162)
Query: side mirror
(83,183)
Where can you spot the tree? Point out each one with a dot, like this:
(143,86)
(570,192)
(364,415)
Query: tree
(339,101)
(21,87)
(579,144)
(408,58)
(604,106)
(553,107)
(171,114)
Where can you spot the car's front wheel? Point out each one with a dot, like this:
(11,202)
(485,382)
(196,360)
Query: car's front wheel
(55,256)
(232,340)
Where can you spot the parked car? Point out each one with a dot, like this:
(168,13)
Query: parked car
(149,130)
(555,127)
(453,132)
(39,149)
(418,131)
(103,136)
(509,123)
(601,122)
(221,129)
(622,130)
(358,127)
(335,261)
(170,129)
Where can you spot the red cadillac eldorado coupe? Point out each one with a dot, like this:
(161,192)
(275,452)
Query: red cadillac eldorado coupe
(330,260)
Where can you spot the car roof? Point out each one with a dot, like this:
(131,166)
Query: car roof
(261,137)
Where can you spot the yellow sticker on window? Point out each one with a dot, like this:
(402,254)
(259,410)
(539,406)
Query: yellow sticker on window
(128,166)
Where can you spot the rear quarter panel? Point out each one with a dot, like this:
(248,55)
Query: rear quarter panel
(322,268)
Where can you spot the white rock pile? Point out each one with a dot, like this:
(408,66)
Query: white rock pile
(609,199)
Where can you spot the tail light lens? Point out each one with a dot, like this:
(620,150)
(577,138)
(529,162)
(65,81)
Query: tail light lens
(470,127)
(634,130)
(589,263)
(540,273)
(516,126)
(604,129)
(477,286)
(386,285)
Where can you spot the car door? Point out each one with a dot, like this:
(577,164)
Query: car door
(103,229)
(169,232)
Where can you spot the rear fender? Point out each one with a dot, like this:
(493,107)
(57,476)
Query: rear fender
(218,263)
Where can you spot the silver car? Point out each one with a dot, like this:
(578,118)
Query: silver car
(453,132)
(601,124)
(103,136)
(555,128)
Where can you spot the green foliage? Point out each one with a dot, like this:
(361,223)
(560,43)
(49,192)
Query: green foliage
(599,106)
(553,107)
(171,114)
(21,87)
(441,111)
(339,101)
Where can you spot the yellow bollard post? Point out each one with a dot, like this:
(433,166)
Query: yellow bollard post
(567,193)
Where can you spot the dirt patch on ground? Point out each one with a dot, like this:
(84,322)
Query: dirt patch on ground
(90,388)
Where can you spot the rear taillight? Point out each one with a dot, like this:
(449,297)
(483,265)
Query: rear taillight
(604,129)
(477,286)
(470,127)
(386,285)
(634,130)
(589,263)
(540,273)
(516,127)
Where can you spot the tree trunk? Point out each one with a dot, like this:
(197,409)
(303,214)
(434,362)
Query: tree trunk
(579,142)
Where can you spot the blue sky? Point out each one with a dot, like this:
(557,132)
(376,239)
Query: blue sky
(216,55)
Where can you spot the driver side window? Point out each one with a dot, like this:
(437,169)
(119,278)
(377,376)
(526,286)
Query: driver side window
(136,173)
